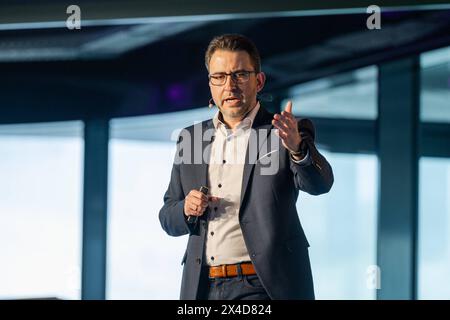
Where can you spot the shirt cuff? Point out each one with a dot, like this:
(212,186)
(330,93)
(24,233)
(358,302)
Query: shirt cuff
(304,162)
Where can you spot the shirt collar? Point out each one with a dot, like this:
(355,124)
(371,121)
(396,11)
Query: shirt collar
(247,122)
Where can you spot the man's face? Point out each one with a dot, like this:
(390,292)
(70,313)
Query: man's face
(234,99)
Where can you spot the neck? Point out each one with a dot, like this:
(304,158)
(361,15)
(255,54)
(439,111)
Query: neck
(233,122)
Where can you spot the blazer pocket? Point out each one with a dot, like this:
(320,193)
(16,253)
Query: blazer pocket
(268,154)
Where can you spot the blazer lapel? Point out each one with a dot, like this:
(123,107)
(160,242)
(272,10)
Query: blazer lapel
(206,141)
(262,126)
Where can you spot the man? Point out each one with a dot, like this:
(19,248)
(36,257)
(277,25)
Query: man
(245,237)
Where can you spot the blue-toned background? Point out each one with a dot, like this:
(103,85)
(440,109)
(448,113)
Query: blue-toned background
(88,121)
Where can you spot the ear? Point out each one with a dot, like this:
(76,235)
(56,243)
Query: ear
(260,81)
(211,103)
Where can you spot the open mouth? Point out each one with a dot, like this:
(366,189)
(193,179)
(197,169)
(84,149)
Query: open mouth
(232,100)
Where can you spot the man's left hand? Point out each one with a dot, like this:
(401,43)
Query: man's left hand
(287,128)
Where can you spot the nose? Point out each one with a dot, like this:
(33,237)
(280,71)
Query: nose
(230,83)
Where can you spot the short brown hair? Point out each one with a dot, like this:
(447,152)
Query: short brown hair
(233,42)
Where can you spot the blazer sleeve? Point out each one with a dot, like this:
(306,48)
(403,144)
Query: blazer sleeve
(171,216)
(317,176)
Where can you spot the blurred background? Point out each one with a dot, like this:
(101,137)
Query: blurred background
(89,116)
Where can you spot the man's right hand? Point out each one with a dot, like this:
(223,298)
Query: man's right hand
(195,203)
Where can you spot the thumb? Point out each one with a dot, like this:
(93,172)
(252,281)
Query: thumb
(288,106)
(214,199)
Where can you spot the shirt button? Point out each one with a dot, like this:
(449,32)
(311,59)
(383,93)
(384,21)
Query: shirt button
(198,260)
(220,185)
(212,233)
(224,161)
(253,255)
(212,258)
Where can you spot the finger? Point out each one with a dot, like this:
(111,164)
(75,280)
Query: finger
(288,107)
(199,204)
(199,210)
(281,133)
(280,125)
(285,120)
(196,202)
(198,195)
(192,208)
(205,201)
(195,194)
(213,199)
(289,116)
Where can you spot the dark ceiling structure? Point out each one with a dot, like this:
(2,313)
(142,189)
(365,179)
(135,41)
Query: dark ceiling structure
(136,58)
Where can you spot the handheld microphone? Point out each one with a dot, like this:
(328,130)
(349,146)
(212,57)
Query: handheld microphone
(193,219)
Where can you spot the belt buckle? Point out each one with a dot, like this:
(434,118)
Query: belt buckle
(224,270)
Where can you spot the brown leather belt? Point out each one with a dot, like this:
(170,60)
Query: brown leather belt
(231,270)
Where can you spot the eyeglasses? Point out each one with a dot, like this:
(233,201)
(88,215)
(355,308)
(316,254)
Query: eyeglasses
(219,79)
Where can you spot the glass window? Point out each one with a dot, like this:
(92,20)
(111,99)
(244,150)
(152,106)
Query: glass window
(434,229)
(341,228)
(434,186)
(40,210)
(143,261)
(435,86)
(350,95)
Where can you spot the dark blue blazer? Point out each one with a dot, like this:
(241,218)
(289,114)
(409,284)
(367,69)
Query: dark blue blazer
(268,216)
